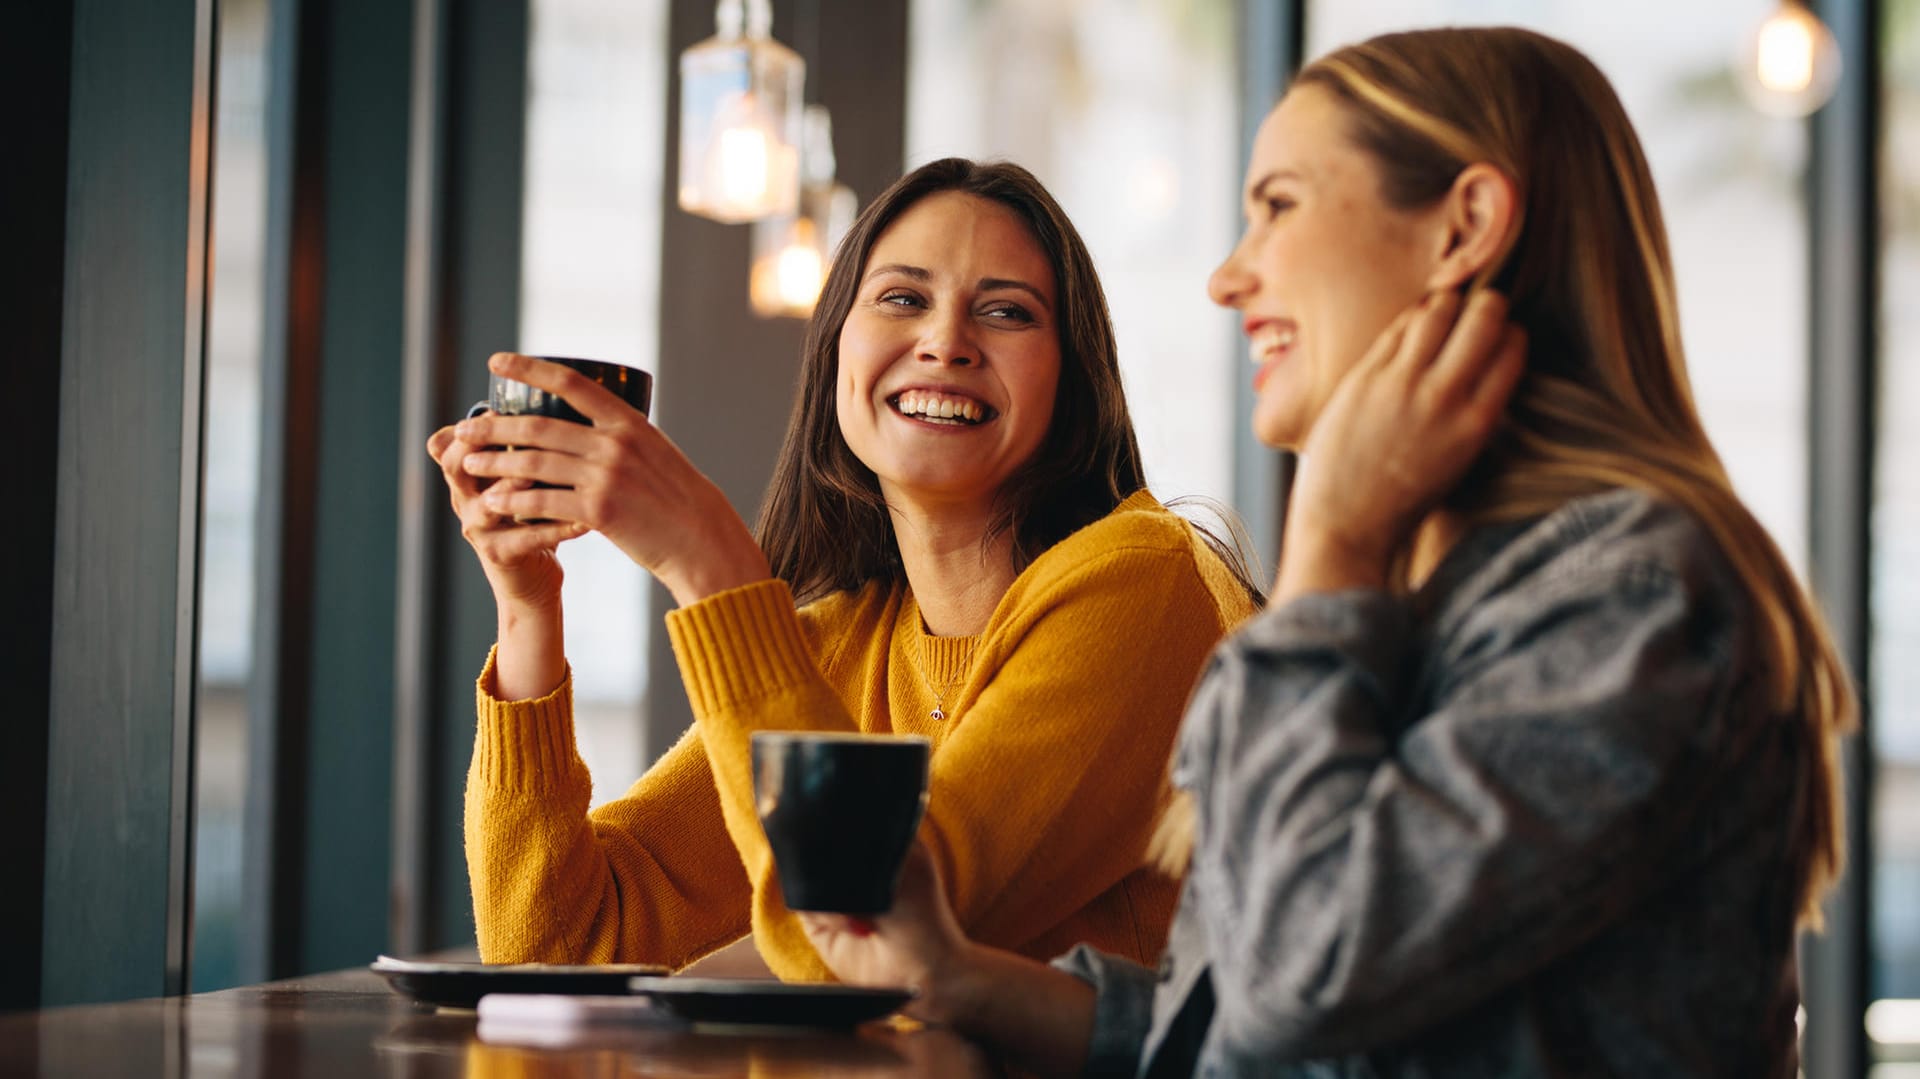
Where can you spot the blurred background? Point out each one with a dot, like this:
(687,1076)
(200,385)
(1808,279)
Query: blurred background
(396,191)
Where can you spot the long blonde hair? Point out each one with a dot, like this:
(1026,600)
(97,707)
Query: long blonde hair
(1605,402)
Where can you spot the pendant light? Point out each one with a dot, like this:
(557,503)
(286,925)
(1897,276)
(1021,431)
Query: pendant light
(740,118)
(1790,64)
(791,252)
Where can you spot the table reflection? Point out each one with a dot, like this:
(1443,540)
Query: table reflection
(349,1024)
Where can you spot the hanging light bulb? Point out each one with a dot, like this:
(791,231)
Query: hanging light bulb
(740,94)
(1790,64)
(791,252)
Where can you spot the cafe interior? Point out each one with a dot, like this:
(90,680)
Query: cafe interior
(268,245)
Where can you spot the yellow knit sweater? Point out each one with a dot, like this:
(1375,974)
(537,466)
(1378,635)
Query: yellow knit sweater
(1047,773)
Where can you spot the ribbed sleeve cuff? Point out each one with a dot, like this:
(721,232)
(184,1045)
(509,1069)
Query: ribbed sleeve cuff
(739,645)
(528,744)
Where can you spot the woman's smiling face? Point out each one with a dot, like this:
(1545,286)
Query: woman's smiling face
(950,355)
(1324,265)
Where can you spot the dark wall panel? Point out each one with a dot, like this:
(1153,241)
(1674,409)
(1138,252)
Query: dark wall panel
(484,183)
(34,56)
(349,741)
(130,385)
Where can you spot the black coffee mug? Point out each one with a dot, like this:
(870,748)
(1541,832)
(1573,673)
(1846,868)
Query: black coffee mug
(509,397)
(840,812)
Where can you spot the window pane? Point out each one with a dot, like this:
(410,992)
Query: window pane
(1895,662)
(596,118)
(232,489)
(1138,142)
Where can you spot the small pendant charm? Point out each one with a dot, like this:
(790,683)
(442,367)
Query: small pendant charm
(936,715)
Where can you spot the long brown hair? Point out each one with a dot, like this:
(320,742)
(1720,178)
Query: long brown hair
(824,525)
(1606,401)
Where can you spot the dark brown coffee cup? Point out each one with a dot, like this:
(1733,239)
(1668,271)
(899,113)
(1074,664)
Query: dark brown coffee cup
(840,812)
(510,397)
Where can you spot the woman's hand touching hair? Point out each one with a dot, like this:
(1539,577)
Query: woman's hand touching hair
(1399,432)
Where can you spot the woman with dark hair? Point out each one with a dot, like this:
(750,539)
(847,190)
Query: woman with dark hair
(1529,768)
(957,544)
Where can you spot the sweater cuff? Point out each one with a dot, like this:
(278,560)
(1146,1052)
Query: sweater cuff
(739,645)
(525,744)
(1367,628)
(1122,1009)
(1360,631)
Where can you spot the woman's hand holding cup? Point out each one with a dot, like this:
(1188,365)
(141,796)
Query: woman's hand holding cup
(519,560)
(918,943)
(620,477)
(1396,436)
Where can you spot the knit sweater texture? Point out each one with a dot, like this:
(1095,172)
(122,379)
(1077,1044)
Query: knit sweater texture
(1048,769)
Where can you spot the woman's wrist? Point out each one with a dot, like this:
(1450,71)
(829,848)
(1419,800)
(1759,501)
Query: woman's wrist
(951,994)
(1314,561)
(713,575)
(529,658)
(1038,1018)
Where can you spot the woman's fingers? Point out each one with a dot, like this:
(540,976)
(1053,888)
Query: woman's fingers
(589,398)
(462,486)
(495,532)
(515,500)
(828,925)
(1474,341)
(543,432)
(1387,345)
(477,515)
(1488,396)
(515,545)
(534,466)
(1427,331)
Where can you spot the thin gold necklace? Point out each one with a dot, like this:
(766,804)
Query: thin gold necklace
(939,692)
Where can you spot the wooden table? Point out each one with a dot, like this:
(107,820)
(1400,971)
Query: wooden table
(350,1024)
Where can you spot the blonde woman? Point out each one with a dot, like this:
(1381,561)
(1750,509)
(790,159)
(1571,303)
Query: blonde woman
(1529,767)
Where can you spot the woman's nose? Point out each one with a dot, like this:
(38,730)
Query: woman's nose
(1231,283)
(949,339)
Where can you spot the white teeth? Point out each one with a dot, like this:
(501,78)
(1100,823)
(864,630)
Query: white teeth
(1270,339)
(934,406)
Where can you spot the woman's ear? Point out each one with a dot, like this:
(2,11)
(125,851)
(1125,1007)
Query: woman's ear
(1478,214)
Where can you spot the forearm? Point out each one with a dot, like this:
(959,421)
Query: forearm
(1313,563)
(1321,559)
(648,877)
(733,562)
(530,659)
(1035,1017)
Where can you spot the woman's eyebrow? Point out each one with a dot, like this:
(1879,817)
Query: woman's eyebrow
(1257,189)
(918,273)
(990,284)
(985,284)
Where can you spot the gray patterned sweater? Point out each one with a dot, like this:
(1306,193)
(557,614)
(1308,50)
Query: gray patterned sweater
(1534,820)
